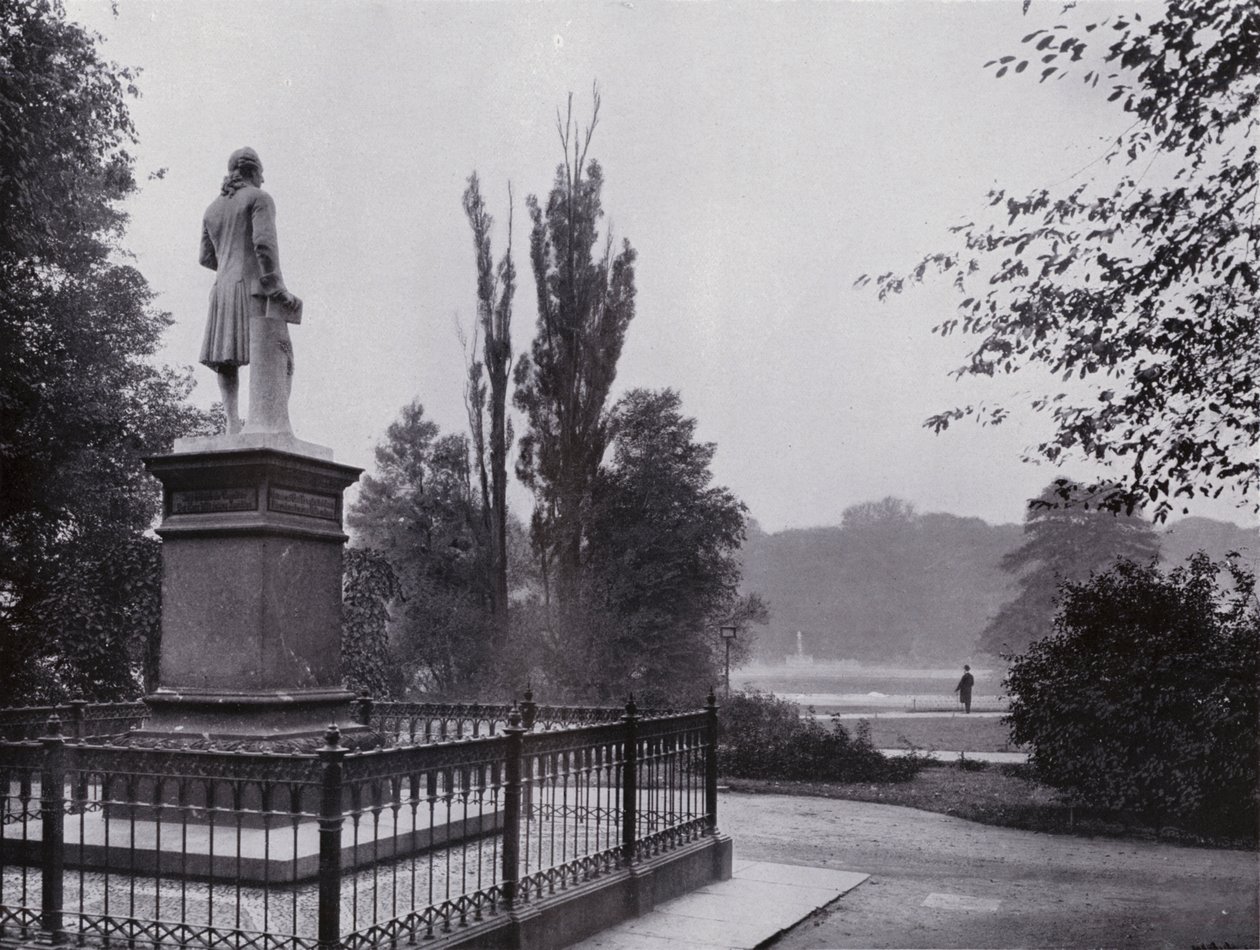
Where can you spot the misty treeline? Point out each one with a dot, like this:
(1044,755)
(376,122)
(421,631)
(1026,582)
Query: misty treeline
(628,565)
(893,584)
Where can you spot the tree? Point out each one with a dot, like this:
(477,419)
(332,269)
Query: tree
(1061,543)
(369,586)
(663,558)
(81,403)
(1142,279)
(495,289)
(1145,699)
(420,513)
(585,304)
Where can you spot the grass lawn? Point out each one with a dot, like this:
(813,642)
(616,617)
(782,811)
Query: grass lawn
(959,734)
(997,795)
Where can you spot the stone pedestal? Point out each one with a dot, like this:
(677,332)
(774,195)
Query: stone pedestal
(251,595)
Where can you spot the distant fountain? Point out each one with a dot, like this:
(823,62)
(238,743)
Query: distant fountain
(800,657)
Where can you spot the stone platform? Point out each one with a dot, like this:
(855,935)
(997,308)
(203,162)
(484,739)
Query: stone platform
(283,853)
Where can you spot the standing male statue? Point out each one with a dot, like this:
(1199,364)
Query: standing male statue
(250,307)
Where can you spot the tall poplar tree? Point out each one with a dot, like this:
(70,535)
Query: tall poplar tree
(585,304)
(495,289)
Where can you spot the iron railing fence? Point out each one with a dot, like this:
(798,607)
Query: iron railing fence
(401,723)
(397,723)
(338,848)
(80,719)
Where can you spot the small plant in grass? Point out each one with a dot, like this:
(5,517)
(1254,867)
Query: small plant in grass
(763,736)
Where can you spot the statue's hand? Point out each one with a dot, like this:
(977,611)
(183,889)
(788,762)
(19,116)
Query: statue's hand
(290,300)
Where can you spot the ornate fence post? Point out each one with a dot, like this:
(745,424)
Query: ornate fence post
(331,818)
(365,705)
(710,764)
(512,808)
(629,781)
(52,809)
(529,708)
(78,710)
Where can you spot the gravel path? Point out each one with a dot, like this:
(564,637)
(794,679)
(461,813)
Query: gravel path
(938,881)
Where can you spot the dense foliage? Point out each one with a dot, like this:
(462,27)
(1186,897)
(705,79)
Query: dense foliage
(369,587)
(419,511)
(1062,542)
(81,402)
(1145,699)
(763,736)
(662,556)
(1142,278)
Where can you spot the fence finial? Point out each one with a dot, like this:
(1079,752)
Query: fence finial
(514,717)
(53,725)
(332,737)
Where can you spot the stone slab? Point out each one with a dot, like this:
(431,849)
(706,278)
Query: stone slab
(280,441)
(760,900)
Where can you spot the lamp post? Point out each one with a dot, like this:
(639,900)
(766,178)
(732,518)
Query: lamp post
(728,637)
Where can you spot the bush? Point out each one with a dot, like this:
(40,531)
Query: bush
(762,736)
(1145,698)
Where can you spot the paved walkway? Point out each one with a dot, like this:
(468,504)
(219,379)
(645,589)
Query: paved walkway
(893,714)
(938,755)
(760,900)
(940,881)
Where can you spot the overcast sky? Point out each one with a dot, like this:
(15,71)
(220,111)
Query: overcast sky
(758,157)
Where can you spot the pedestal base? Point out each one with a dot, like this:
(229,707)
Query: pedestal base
(250,721)
(251,599)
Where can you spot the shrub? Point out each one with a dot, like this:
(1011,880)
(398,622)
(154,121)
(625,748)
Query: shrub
(762,736)
(1145,698)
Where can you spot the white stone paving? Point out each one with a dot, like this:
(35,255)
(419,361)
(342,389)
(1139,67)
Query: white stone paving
(760,900)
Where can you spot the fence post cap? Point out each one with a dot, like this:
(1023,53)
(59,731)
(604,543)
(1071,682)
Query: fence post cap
(53,727)
(332,737)
(711,701)
(514,719)
(631,709)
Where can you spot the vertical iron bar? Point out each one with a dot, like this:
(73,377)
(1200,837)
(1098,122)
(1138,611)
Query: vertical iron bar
(158,793)
(512,808)
(266,804)
(710,763)
(331,819)
(52,807)
(629,780)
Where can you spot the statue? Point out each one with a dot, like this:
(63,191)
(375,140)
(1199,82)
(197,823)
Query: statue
(250,307)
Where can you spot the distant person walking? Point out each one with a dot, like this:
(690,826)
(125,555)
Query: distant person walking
(963,689)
